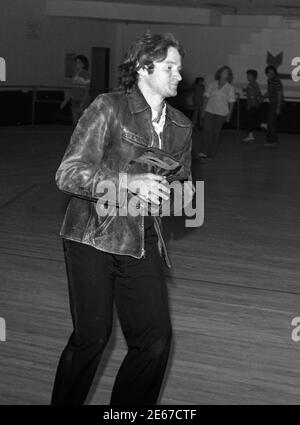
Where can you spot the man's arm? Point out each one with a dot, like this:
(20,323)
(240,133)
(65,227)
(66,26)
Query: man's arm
(183,184)
(81,168)
(82,172)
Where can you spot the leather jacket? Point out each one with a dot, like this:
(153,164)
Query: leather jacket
(112,131)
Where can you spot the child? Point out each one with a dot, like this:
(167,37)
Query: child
(254,99)
(276,99)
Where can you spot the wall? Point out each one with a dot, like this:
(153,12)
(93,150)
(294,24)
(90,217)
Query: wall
(42,61)
(240,47)
(239,41)
(131,12)
(207,48)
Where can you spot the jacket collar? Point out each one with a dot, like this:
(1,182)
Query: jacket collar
(137,103)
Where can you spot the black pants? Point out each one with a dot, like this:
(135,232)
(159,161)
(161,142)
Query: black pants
(252,119)
(138,287)
(272,131)
(196,118)
(211,133)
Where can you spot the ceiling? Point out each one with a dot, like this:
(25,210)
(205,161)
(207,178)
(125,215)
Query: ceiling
(277,7)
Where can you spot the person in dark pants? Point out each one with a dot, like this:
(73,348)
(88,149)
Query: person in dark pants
(198,92)
(96,279)
(275,96)
(219,99)
(119,258)
(254,98)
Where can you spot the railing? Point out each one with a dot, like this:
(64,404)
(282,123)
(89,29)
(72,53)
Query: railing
(36,89)
(94,91)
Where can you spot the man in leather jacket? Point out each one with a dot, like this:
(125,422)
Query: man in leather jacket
(119,258)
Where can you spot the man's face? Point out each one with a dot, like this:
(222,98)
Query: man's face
(166,75)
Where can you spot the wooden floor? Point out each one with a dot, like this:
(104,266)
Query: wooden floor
(234,287)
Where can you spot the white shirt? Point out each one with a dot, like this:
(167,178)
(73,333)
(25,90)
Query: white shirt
(218,99)
(159,126)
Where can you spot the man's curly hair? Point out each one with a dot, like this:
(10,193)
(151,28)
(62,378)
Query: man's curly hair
(146,50)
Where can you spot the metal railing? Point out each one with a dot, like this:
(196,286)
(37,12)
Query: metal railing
(94,91)
(34,89)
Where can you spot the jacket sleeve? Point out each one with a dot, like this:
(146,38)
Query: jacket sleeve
(185,177)
(183,190)
(185,159)
(82,169)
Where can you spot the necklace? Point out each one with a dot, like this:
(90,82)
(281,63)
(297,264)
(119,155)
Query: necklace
(159,115)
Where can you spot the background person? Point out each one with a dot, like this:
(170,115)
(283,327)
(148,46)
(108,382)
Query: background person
(254,99)
(78,95)
(275,96)
(198,92)
(219,99)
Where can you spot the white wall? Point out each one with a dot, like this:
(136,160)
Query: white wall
(238,41)
(207,48)
(42,61)
(130,12)
(253,55)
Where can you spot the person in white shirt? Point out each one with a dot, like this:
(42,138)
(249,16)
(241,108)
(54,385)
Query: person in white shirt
(219,99)
(78,95)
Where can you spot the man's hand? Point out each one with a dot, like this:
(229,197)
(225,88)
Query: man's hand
(228,118)
(148,186)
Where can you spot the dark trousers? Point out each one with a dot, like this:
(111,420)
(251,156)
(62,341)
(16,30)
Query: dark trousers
(272,131)
(211,133)
(196,118)
(252,119)
(95,280)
